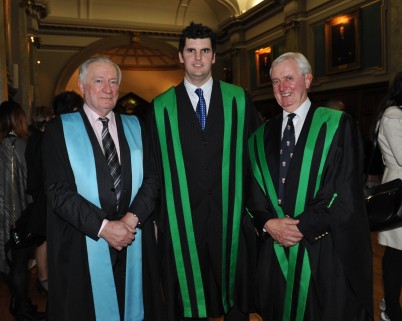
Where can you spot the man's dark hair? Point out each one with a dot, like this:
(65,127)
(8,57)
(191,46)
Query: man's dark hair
(197,31)
(67,102)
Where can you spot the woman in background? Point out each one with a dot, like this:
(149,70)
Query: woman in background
(389,140)
(13,200)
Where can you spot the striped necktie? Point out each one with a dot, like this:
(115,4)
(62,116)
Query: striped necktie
(286,154)
(111,157)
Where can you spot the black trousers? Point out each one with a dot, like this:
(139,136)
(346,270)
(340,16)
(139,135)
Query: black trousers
(118,259)
(392,278)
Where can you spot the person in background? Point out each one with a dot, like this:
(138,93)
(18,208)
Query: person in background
(314,260)
(200,130)
(100,197)
(13,200)
(336,104)
(67,102)
(40,115)
(389,141)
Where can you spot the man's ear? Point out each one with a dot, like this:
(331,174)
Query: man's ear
(308,78)
(181,57)
(81,86)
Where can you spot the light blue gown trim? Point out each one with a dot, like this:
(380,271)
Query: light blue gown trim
(82,161)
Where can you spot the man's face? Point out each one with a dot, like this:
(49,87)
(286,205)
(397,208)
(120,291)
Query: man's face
(101,87)
(197,57)
(290,87)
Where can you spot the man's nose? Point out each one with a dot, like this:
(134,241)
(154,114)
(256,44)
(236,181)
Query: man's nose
(107,87)
(282,86)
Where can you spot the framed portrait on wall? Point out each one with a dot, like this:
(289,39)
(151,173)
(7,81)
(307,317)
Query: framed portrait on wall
(263,61)
(342,43)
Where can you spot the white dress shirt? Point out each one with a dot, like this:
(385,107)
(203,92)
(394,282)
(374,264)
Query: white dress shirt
(298,120)
(206,88)
(97,126)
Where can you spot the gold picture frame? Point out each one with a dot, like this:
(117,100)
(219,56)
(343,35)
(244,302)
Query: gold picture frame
(263,61)
(342,43)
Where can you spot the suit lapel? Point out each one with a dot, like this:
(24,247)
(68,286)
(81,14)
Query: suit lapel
(125,161)
(273,140)
(296,163)
(215,110)
(185,108)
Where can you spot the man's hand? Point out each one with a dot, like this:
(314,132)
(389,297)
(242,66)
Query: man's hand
(284,231)
(118,234)
(130,219)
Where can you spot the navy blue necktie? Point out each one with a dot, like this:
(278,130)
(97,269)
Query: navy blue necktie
(201,109)
(286,154)
(111,157)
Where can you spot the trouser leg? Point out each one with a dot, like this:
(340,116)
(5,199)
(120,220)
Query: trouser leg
(392,278)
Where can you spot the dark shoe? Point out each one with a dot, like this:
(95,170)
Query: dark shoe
(25,311)
(41,286)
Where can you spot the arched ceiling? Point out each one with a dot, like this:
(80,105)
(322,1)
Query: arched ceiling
(137,16)
(148,15)
(139,35)
(137,57)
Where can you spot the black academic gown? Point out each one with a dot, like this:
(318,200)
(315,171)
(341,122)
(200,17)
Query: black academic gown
(35,182)
(202,154)
(337,238)
(71,218)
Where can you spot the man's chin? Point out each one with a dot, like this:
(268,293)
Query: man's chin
(108,106)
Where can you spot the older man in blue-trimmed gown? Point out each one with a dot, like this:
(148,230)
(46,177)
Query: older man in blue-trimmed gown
(100,198)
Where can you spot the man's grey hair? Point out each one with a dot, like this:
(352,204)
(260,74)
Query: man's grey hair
(301,61)
(82,74)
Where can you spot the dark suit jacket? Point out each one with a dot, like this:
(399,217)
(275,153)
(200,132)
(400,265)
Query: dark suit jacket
(71,218)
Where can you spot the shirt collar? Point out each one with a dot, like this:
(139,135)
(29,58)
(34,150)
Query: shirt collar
(301,111)
(93,116)
(206,88)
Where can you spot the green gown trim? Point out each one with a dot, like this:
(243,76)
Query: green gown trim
(165,106)
(322,116)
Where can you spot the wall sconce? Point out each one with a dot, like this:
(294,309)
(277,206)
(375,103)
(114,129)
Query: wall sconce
(34,40)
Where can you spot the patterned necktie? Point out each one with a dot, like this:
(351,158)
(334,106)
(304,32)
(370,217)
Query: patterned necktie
(111,157)
(286,154)
(201,109)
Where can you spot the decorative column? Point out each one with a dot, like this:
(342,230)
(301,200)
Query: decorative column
(294,26)
(3,53)
(19,33)
(24,24)
(241,69)
(394,42)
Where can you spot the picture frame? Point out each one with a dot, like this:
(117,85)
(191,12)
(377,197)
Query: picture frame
(263,61)
(342,43)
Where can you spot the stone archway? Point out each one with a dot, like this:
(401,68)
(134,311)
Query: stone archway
(105,46)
